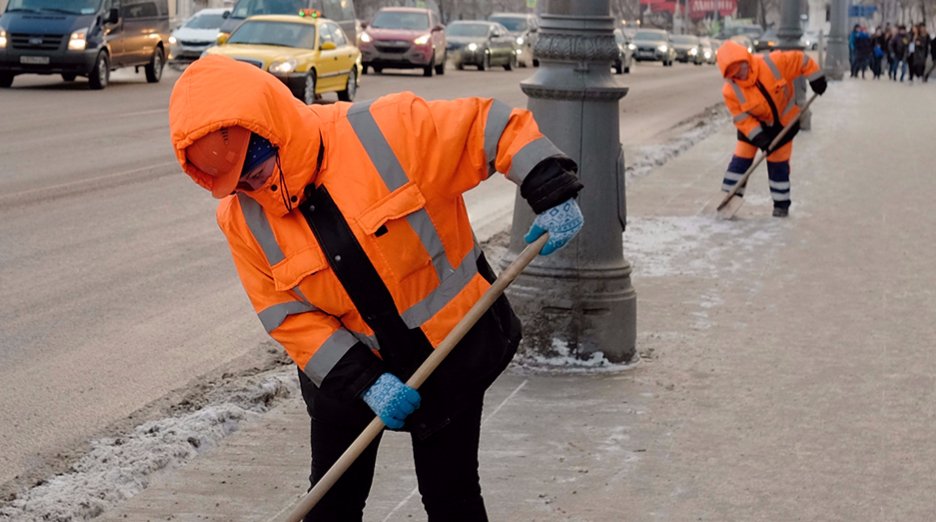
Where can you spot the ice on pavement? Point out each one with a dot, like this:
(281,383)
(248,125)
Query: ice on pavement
(117,468)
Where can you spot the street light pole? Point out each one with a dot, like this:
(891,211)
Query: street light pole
(579,298)
(789,33)
(837,51)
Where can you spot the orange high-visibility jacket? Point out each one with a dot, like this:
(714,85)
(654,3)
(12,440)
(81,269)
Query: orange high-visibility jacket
(396,168)
(776,72)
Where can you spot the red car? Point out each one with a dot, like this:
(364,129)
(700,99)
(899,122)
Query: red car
(404,38)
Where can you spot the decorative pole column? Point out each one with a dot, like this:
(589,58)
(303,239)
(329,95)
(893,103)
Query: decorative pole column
(789,33)
(580,298)
(837,51)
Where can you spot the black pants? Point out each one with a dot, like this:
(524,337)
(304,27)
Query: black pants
(446,463)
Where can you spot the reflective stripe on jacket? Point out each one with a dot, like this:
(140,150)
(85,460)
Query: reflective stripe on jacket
(396,168)
(776,72)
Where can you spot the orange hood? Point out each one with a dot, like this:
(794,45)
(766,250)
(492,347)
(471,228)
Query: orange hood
(732,52)
(216,92)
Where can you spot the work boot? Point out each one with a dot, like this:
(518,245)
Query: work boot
(781,212)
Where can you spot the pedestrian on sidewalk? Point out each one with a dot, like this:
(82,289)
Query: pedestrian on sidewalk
(348,230)
(864,50)
(932,59)
(920,47)
(878,42)
(897,51)
(760,95)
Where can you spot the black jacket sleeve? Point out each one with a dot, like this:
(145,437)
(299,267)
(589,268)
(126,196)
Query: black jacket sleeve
(551,182)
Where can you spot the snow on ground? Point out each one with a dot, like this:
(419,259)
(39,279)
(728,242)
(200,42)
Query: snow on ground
(117,468)
(692,245)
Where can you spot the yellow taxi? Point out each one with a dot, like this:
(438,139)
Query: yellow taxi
(310,54)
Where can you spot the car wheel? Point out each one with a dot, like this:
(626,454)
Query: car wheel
(511,62)
(618,67)
(308,89)
(535,62)
(154,69)
(485,62)
(460,66)
(100,74)
(440,68)
(427,70)
(351,89)
(6,80)
(378,70)
(69,77)
(364,68)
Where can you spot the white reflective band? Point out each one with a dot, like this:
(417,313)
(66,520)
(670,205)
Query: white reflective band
(497,119)
(369,340)
(328,355)
(780,196)
(727,188)
(260,228)
(739,94)
(754,132)
(273,316)
(805,60)
(741,117)
(780,185)
(815,75)
(445,292)
(529,156)
(773,67)
(733,176)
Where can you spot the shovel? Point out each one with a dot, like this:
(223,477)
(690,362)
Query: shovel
(310,499)
(730,204)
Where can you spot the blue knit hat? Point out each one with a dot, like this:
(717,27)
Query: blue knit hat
(259,149)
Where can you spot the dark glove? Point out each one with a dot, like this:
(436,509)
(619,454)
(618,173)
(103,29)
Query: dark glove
(762,141)
(391,400)
(818,85)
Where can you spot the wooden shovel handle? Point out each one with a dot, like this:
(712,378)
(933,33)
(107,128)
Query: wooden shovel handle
(307,502)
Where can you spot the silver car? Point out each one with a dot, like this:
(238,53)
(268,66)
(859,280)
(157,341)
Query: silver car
(625,52)
(189,41)
(524,28)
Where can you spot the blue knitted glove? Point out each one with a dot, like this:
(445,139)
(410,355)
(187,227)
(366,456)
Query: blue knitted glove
(562,222)
(391,400)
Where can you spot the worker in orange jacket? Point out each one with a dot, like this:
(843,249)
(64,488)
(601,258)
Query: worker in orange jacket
(348,230)
(760,95)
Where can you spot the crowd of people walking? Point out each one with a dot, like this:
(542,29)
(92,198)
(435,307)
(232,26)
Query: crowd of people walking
(904,51)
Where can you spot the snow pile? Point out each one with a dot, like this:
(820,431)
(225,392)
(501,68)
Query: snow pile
(689,133)
(118,468)
(562,358)
(693,245)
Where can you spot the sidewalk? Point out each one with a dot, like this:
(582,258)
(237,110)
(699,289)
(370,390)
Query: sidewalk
(787,371)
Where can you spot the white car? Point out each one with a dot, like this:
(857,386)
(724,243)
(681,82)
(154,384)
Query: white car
(189,41)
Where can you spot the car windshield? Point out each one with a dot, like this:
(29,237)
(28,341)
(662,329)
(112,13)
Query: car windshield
(245,8)
(285,34)
(205,21)
(400,20)
(56,6)
(649,36)
(686,39)
(463,29)
(514,24)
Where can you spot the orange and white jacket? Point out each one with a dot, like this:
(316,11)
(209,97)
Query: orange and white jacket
(396,168)
(775,72)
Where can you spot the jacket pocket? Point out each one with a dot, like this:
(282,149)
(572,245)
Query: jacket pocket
(392,225)
(288,273)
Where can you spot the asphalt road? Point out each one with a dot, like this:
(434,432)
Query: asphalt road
(116,287)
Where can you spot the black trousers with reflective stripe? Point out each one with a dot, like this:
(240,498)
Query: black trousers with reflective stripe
(446,462)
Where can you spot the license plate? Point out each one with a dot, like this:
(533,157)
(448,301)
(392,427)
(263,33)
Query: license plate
(36,60)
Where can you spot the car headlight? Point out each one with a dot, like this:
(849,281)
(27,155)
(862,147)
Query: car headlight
(519,40)
(472,47)
(422,40)
(366,38)
(78,40)
(693,51)
(283,66)
(3,39)
(172,40)
(707,54)
(661,48)
(632,47)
